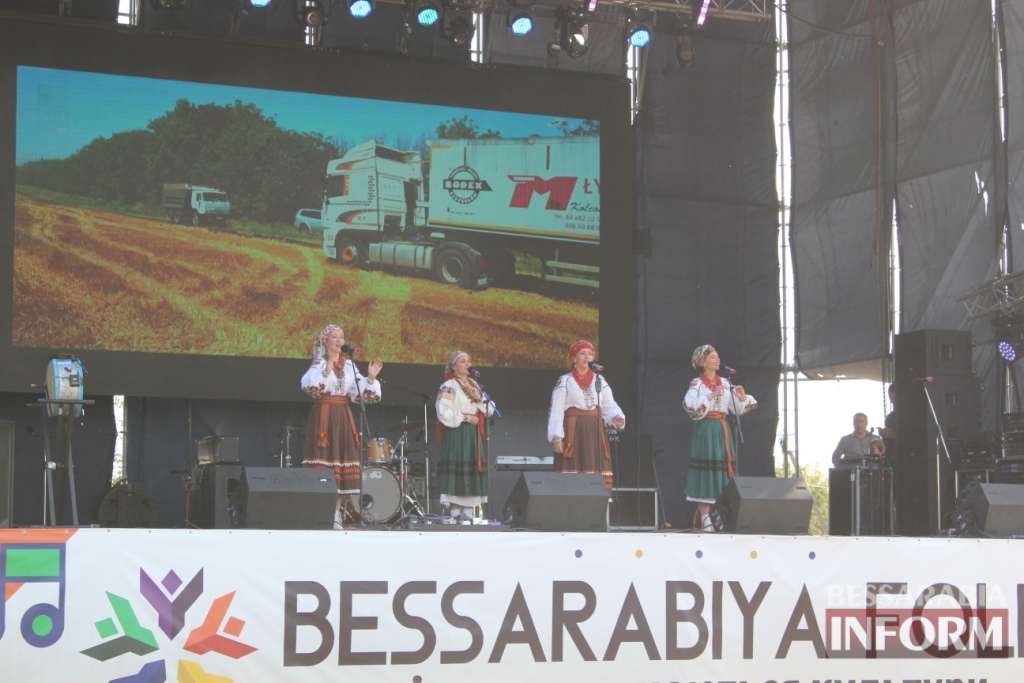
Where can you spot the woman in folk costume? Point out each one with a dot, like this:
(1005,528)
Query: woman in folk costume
(332,440)
(462,412)
(708,400)
(581,405)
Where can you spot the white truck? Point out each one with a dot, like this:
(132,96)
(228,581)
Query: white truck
(194,204)
(462,214)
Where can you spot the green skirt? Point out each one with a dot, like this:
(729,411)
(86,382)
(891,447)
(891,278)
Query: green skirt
(708,472)
(458,473)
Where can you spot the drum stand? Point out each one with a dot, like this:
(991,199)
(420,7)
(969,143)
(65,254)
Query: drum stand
(65,422)
(284,456)
(410,503)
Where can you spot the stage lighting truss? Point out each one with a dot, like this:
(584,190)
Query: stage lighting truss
(520,17)
(571,31)
(457,23)
(311,13)
(360,9)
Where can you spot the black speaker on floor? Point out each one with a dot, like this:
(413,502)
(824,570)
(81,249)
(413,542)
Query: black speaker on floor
(286,498)
(127,506)
(994,510)
(214,491)
(558,501)
(6,474)
(765,505)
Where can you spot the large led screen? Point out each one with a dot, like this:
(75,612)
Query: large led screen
(185,231)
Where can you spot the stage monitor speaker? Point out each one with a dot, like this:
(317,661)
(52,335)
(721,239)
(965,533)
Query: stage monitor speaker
(558,501)
(6,474)
(214,490)
(998,509)
(286,498)
(128,506)
(765,505)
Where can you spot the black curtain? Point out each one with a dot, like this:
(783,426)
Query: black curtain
(708,231)
(841,127)
(93,438)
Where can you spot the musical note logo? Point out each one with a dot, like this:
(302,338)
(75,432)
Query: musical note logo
(37,565)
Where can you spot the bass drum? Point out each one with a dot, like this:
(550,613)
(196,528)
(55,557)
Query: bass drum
(381,496)
(65,379)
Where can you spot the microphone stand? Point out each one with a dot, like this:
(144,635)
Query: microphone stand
(487,440)
(363,428)
(941,439)
(739,425)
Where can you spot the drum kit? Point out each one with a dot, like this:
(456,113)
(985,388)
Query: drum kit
(386,493)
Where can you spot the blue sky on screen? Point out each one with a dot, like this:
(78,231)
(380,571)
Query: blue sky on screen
(61,111)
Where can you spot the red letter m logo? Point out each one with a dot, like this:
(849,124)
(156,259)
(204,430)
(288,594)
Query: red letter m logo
(558,189)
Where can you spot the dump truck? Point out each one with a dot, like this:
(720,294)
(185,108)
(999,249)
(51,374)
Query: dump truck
(461,215)
(184,203)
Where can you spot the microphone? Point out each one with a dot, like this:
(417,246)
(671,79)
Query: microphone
(731,371)
(473,372)
(349,349)
(922,380)
(596,367)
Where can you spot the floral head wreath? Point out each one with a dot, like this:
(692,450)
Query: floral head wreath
(321,340)
(579,346)
(700,353)
(449,367)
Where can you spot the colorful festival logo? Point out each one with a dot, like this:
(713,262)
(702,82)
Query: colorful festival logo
(170,599)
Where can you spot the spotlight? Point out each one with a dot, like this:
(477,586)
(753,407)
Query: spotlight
(260,4)
(686,56)
(571,32)
(310,13)
(427,12)
(360,9)
(457,24)
(168,4)
(520,21)
(639,35)
(1011,350)
(520,17)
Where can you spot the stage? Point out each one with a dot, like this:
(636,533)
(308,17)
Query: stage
(152,605)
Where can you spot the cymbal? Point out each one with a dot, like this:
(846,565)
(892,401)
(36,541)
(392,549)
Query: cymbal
(404,427)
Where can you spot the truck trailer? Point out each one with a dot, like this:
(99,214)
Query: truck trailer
(462,214)
(194,204)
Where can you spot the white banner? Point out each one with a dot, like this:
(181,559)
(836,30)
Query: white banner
(426,607)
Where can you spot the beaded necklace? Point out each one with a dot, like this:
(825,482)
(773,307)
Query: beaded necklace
(583,382)
(711,384)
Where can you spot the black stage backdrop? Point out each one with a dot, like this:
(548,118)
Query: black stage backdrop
(710,274)
(92,449)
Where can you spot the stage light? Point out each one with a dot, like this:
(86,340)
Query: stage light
(686,56)
(260,4)
(520,17)
(571,31)
(310,13)
(168,4)
(360,9)
(700,12)
(427,12)
(457,24)
(639,35)
(1011,350)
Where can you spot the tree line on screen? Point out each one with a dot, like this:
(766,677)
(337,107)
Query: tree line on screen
(268,172)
